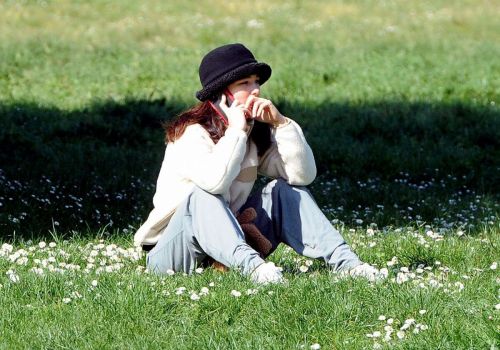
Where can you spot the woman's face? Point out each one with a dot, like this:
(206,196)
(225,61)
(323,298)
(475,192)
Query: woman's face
(243,88)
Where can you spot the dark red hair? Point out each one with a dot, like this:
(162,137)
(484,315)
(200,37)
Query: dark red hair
(205,115)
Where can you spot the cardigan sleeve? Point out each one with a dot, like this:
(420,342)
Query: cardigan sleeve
(289,156)
(213,167)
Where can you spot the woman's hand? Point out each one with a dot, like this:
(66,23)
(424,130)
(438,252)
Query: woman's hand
(236,113)
(264,111)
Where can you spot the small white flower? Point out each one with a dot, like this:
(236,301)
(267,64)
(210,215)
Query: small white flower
(235,293)
(42,245)
(211,284)
(199,270)
(410,321)
(433,283)
(66,300)
(497,307)
(14,278)
(400,334)
(76,295)
(303,268)
(94,283)
(424,327)
(52,244)
(195,296)
(494,265)
(421,312)
(376,334)
(251,291)
(401,278)
(459,285)
(170,272)
(22,261)
(381,318)
(7,248)
(309,262)
(393,261)
(405,326)
(180,290)
(37,271)
(315,346)
(390,321)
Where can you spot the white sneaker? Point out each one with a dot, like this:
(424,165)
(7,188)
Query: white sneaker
(367,271)
(267,273)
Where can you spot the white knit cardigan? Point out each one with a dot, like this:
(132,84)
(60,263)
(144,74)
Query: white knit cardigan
(228,168)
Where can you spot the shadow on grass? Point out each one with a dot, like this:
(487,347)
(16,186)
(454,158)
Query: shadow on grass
(97,166)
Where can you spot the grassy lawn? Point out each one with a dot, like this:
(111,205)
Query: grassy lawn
(399,101)
(94,294)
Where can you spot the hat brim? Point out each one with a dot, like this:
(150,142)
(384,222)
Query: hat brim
(211,91)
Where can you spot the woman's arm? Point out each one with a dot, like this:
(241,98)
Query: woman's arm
(289,156)
(213,167)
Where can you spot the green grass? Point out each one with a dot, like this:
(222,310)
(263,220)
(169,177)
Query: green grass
(399,101)
(132,309)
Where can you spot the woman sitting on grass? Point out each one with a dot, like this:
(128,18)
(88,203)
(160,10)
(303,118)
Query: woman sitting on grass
(215,151)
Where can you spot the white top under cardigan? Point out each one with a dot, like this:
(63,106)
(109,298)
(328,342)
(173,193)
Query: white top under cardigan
(228,168)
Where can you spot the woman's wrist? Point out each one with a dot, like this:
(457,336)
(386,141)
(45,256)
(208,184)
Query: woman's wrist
(280,122)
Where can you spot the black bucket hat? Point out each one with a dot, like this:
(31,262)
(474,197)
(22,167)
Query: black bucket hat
(225,65)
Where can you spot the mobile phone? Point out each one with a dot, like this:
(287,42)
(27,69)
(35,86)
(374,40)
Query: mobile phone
(229,102)
(229,97)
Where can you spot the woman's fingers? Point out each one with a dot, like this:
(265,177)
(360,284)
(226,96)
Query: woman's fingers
(223,103)
(254,104)
(236,115)
(250,100)
(263,107)
(245,110)
(255,107)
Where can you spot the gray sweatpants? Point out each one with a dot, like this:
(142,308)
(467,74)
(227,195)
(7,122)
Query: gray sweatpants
(203,226)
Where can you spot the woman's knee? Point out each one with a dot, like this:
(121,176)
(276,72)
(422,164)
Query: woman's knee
(283,186)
